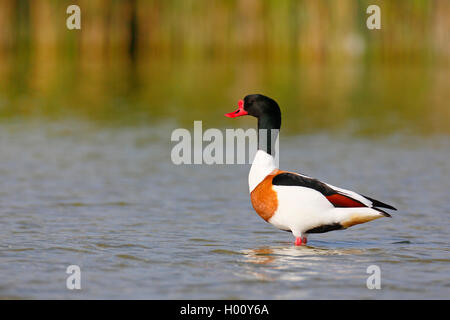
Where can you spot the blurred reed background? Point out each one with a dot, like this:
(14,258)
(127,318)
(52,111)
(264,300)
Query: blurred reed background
(142,61)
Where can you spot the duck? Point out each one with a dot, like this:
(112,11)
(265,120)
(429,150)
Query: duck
(295,202)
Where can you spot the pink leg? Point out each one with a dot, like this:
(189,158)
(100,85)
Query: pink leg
(300,241)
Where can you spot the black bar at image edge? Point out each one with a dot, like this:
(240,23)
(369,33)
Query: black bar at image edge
(220,309)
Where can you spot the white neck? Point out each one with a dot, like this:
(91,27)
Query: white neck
(262,166)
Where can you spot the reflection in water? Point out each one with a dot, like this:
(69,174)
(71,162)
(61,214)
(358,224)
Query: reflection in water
(349,97)
(290,263)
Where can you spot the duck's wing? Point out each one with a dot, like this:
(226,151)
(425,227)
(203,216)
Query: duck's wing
(338,197)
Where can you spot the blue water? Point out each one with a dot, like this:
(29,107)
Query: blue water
(110,201)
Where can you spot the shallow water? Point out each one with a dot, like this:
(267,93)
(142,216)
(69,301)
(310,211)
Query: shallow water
(110,200)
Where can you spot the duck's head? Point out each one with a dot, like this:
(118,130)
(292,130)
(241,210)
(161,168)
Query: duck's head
(267,112)
(264,108)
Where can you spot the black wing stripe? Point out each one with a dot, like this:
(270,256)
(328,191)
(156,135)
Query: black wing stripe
(377,203)
(326,228)
(292,179)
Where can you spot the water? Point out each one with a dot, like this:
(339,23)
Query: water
(109,200)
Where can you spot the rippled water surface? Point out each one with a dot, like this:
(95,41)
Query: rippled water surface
(111,201)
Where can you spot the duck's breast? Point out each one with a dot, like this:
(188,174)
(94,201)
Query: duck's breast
(264,197)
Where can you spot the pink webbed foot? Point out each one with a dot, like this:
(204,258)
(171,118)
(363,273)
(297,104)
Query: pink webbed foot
(300,241)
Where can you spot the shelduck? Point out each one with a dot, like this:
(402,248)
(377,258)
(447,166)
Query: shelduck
(295,202)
